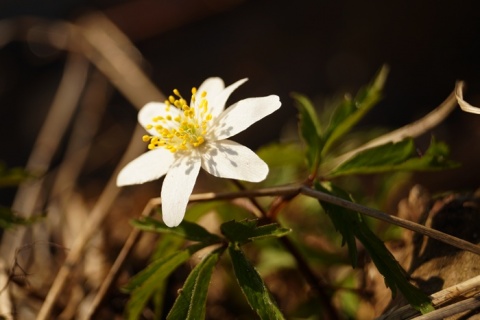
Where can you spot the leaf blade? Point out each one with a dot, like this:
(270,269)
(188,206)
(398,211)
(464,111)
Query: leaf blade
(144,284)
(352,111)
(400,156)
(247,230)
(310,129)
(395,276)
(253,287)
(191,302)
(186,229)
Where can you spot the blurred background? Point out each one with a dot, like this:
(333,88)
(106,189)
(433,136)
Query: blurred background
(319,48)
(322,49)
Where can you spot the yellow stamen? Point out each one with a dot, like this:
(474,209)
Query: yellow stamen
(183,129)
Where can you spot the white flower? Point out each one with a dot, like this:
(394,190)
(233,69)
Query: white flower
(182,138)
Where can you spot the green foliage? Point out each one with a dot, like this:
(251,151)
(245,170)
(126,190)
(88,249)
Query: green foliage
(247,230)
(281,155)
(353,110)
(252,286)
(12,176)
(272,256)
(188,230)
(148,281)
(285,161)
(309,127)
(191,302)
(351,225)
(192,299)
(8,219)
(320,134)
(400,156)
(344,221)
(317,142)
(168,245)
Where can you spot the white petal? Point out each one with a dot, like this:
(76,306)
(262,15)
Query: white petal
(213,87)
(149,111)
(177,188)
(152,110)
(147,167)
(242,115)
(217,102)
(228,159)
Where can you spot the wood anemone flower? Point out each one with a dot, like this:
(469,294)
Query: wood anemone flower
(183,137)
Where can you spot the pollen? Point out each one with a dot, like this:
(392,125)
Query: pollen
(182,126)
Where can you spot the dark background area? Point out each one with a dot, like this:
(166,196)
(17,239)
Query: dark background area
(319,48)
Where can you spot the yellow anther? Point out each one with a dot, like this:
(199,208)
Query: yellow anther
(183,131)
(176,104)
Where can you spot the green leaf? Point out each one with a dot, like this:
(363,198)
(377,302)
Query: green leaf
(281,154)
(309,130)
(253,287)
(186,229)
(343,220)
(350,112)
(351,225)
(286,162)
(191,302)
(146,283)
(8,219)
(400,156)
(12,176)
(395,275)
(167,245)
(247,230)
(435,158)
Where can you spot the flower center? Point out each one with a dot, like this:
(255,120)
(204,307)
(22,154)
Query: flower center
(183,127)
